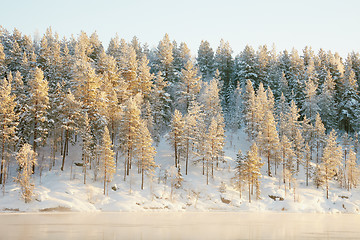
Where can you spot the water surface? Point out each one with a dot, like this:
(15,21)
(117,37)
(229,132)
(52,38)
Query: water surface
(187,225)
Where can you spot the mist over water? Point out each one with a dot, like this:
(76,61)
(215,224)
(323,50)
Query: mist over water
(177,225)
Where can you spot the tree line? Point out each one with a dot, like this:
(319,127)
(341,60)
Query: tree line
(116,103)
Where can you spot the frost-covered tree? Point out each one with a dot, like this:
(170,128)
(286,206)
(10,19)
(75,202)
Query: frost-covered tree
(319,136)
(288,156)
(107,157)
(176,135)
(189,86)
(215,142)
(224,63)
(252,169)
(268,140)
(26,158)
(8,123)
(160,103)
(70,118)
(352,170)
(145,153)
(38,106)
(310,105)
(327,103)
(239,180)
(251,124)
(349,102)
(205,60)
(164,59)
(129,132)
(210,99)
(331,159)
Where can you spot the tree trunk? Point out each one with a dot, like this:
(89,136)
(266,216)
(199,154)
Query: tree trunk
(65,147)
(2,158)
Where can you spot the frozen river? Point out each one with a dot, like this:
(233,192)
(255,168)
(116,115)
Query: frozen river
(189,225)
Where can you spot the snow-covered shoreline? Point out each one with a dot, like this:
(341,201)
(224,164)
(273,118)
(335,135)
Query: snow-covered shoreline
(57,193)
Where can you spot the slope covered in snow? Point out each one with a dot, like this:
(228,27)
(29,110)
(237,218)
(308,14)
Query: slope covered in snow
(65,191)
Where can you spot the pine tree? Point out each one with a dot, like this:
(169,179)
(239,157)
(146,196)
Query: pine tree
(189,86)
(269,139)
(210,99)
(26,158)
(252,169)
(239,179)
(160,102)
(108,162)
(224,63)
(319,135)
(70,118)
(331,159)
(145,153)
(176,135)
(327,103)
(348,100)
(310,106)
(87,144)
(2,62)
(307,163)
(38,106)
(8,123)
(288,155)
(205,59)
(164,59)
(129,132)
(250,111)
(352,170)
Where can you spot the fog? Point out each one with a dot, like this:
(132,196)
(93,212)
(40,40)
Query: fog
(175,225)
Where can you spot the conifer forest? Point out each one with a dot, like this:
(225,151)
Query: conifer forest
(134,118)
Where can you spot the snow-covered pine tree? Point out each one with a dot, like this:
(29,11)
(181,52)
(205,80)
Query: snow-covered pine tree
(310,105)
(215,142)
(282,111)
(189,86)
(298,143)
(164,59)
(327,103)
(26,158)
(224,63)
(245,67)
(144,77)
(8,123)
(107,157)
(348,103)
(331,159)
(87,143)
(211,101)
(239,179)
(250,111)
(192,131)
(129,132)
(176,135)
(70,119)
(252,172)
(352,170)
(287,155)
(307,163)
(38,106)
(145,153)
(128,67)
(319,136)
(292,119)
(205,60)
(268,141)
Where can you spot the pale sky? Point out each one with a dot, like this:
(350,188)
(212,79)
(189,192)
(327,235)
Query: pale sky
(328,24)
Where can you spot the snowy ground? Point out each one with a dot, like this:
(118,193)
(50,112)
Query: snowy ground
(56,192)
